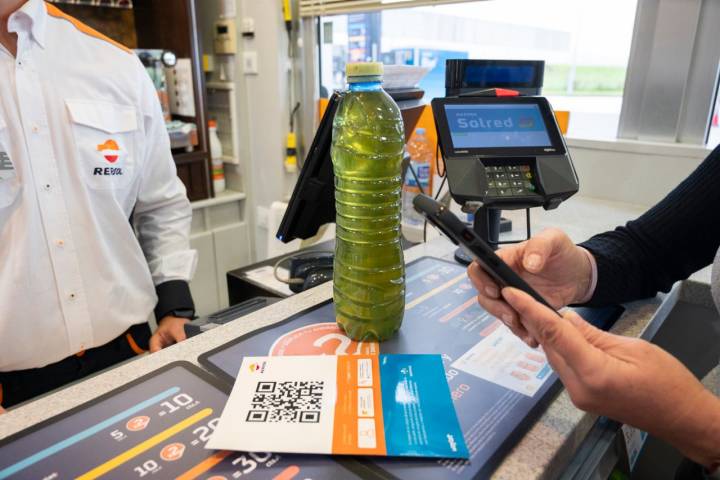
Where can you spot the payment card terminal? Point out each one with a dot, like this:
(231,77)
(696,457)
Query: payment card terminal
(504,152)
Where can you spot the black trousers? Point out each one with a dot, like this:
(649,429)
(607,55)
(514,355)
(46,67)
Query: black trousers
(22,385)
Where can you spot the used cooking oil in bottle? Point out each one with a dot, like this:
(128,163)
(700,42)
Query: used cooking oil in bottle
(367,151)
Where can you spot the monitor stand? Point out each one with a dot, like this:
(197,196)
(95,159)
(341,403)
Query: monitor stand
(487,225)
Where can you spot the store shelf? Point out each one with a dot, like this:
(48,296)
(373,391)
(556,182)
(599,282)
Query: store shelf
(221,85)
(226,196)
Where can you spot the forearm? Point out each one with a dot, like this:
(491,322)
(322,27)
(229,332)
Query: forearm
(625,270)
(174,297)
(673,239)
(698,436)
(163,233)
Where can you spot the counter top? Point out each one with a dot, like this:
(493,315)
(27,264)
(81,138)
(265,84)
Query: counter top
(542,453)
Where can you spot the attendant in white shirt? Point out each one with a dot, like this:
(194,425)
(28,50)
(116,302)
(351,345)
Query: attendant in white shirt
(94,223)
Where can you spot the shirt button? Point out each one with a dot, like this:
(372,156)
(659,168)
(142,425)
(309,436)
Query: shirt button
(46,186)
(72,296)
(60,243)
(35,128)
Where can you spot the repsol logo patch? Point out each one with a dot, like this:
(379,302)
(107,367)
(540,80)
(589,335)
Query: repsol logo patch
(107,171)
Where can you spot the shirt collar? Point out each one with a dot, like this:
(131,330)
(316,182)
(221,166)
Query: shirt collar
(30,17)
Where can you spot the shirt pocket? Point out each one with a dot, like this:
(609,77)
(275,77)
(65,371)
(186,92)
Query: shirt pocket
(106,139)
(9,181)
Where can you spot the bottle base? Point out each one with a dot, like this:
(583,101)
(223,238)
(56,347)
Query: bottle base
(366,333)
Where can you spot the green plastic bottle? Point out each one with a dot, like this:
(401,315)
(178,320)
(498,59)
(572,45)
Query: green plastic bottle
(367,150)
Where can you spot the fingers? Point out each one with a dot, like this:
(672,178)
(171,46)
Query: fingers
(482,282)
(178,332)
(539,248)
(156,343)
(169,332)
(556,334)
(500,310)
(489,298)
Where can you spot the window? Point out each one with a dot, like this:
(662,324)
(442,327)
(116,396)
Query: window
(714,137)
(585,45)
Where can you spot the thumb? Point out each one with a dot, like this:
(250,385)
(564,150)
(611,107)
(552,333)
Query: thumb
(596,337)
(538,249)
(562,336)
(178,333)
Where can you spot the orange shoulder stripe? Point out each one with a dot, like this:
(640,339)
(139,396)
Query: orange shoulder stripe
(53,11)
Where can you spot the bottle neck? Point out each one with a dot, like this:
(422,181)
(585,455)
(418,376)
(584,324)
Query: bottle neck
(365,86)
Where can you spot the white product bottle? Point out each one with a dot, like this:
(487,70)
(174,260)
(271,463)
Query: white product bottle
(218,168)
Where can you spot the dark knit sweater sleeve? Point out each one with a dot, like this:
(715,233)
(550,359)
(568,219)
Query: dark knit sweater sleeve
(672,240)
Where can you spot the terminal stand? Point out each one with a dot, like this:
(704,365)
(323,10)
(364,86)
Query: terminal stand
(487,225)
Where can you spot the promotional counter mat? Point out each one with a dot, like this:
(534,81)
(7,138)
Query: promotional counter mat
(154,427)
(499,385)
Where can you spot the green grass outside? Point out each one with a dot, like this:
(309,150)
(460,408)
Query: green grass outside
(589,80)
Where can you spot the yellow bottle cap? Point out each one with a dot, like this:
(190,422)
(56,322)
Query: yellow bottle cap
(364,69)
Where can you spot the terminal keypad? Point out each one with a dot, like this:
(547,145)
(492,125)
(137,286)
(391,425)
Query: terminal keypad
(510,181)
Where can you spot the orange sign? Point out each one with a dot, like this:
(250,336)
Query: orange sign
(321,339)
(137,423)
(172,452)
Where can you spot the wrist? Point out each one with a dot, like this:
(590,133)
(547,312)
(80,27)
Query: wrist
(173,318)
(700,441)
(588,277)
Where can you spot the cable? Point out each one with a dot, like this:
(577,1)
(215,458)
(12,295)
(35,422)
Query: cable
(437,160)
(414,174)
(442,184)
(437,195)
(293,113)
(296,281)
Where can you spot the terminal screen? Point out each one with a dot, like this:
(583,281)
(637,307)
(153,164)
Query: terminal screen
(496,126)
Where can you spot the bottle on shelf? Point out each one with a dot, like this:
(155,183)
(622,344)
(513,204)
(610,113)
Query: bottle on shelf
(367,152)
(216,154)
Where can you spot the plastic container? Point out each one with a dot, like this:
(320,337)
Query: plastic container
(218,167)
(367,151)
(421,156)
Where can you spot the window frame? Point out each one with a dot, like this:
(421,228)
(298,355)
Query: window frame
(674,50)
(673,72)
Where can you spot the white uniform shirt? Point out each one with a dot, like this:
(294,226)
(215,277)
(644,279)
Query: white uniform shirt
(83,145)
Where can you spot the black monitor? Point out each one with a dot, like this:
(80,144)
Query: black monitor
(313,200)
(463,76)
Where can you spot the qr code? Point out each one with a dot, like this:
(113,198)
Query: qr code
(286,402)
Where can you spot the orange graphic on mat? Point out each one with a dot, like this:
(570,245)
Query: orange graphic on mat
(110,150)
(288,474)
(137,423)
(172,452)
(321,339)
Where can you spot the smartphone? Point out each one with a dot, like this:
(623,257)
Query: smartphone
(465,237)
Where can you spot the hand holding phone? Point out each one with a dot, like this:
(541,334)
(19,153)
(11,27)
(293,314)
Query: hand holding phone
(460,234)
